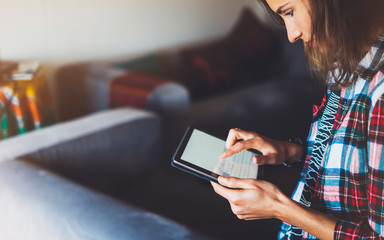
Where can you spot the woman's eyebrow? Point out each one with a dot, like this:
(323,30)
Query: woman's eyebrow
(280,9)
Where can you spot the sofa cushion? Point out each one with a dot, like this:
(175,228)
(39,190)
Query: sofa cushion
(37,204)
(133,89)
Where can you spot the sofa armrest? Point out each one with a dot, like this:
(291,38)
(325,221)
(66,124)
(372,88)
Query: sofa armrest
(120,143)
(37,204)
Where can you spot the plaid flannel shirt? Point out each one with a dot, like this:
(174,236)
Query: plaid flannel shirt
(350,184)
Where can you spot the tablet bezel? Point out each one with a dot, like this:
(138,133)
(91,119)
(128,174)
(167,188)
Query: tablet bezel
(178,162)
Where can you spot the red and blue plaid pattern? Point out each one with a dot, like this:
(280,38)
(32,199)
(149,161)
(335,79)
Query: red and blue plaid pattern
(350,184)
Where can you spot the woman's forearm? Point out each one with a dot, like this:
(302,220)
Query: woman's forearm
(314,222)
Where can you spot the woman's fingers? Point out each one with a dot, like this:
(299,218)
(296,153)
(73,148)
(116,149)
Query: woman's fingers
(235,135)
(236,183)
(239,140)
(222,191)
(237,147)
(249,198)
(248,217)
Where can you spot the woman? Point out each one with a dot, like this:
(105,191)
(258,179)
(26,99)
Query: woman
(340,194)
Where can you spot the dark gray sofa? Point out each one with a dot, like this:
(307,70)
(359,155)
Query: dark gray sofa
(103,148)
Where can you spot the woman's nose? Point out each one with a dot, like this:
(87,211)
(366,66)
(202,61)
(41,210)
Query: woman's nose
(293,34)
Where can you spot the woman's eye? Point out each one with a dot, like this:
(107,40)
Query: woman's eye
(289,13)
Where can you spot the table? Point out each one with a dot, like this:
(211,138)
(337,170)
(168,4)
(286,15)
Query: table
(25,100)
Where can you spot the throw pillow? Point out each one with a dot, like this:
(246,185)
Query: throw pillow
(244,57)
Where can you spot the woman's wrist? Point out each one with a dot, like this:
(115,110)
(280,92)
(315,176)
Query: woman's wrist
(293,152)
(306,218)
(280,210)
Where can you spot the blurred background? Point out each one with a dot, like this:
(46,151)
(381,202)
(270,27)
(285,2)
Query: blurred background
(215,64)
(57,32)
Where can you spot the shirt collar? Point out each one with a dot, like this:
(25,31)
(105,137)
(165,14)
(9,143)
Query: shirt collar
(373,60)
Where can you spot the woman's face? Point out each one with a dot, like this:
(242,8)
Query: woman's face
(295,14)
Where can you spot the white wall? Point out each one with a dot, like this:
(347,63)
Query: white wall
(56,32)
(72,30)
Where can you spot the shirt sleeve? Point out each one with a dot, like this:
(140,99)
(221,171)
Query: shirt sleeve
(373,226)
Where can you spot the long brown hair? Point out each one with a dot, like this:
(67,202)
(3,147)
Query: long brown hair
(343,31)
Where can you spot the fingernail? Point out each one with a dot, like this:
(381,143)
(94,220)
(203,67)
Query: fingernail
(223,155)
(222,179)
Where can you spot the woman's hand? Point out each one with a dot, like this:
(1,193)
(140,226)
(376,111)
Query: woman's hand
(274,151)
(251,199)
(255,199)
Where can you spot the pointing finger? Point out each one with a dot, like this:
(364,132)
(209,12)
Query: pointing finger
(238,147)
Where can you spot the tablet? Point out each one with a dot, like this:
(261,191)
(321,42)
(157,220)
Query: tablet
(199,153)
